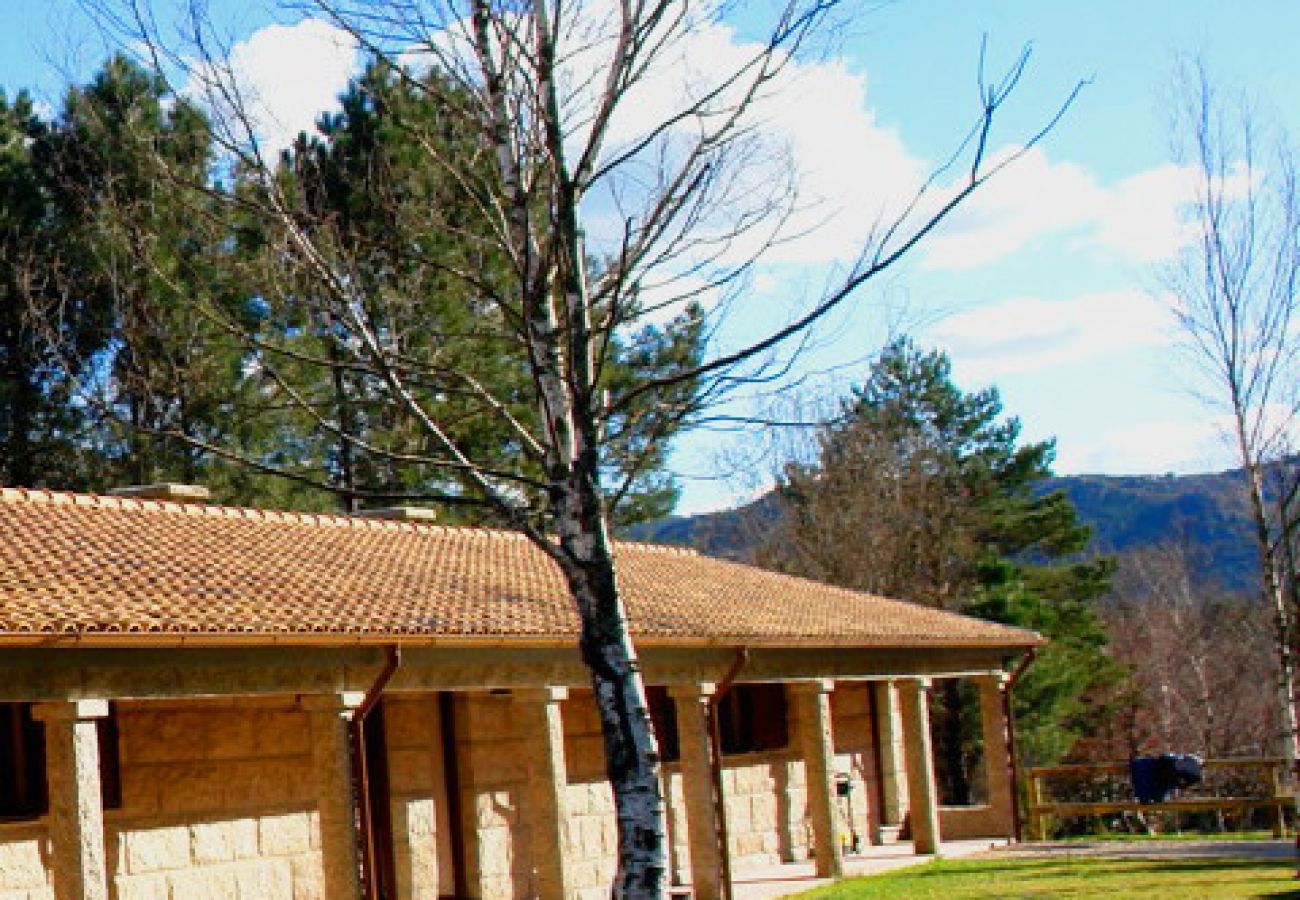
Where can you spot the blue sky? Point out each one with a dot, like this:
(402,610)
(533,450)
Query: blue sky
(1047,285)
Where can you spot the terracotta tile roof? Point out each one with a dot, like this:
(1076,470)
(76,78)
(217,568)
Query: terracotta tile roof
(91,566)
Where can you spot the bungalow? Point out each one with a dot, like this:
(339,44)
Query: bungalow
(202,701)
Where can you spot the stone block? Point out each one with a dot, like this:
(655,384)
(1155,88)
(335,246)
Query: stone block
(281,732)
(140,792)
(586,874)
(423,880)
(499,762)
(410,723)
(156,849)
(232,734)
(496,808)
(190,788)
(421,816)
(21,866)
(223,841)
(308,878)
(573,848)
(490,718)
(270,879)
(211,842)
(585,757)
(284,835)
(209,883)
(495,857)
(497,887)
(410,770)
(591,836)
(177,735)
(142,887)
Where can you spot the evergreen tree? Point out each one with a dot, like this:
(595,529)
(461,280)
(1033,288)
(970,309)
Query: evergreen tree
(921,491)
(416,252)
(32,416)
(126,166)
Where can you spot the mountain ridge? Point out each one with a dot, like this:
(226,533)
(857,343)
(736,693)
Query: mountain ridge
(1207,511)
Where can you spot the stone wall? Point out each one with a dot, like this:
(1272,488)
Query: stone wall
(855,755)
(421,844)
(490,752)
(959,823)
(23,871)
(217,801)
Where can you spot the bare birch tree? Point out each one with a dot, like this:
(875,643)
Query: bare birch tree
(1194,655)
(549,97)
(1235,289)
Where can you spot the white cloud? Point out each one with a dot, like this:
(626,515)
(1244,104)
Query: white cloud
(817,144)
(1027,334)
(1139,217)
(1177,446)
(287,75)
(811,144)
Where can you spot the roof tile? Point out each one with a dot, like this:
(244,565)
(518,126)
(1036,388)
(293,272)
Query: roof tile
(87,565)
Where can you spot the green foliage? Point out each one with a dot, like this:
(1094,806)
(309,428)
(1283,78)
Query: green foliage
(922,491)
(414,247)
(37,424)
(146,334)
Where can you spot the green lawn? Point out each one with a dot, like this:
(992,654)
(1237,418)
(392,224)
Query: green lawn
(1008,879)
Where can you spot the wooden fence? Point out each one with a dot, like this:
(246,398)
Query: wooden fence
(1268,774)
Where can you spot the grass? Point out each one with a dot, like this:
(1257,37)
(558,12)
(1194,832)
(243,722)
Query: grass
(1011,879)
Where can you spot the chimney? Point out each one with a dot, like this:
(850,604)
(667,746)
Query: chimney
(399,514)
(175,493)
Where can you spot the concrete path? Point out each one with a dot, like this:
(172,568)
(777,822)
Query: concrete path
(795,878)
(1207,849)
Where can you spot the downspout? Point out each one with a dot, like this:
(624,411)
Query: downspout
(715,762)
(1013,763)
(361,774)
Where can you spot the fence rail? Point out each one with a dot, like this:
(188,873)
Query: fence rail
(1269,774)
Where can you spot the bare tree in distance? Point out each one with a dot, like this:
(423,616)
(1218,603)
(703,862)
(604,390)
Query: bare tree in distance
(548,94)
(1194,653)
(1235,290)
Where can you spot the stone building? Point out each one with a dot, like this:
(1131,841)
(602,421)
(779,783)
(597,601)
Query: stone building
(200,701)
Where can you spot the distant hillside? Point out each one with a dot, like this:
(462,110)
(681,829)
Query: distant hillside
(1125,513)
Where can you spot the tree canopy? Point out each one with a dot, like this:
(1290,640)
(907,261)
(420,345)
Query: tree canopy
(919,490)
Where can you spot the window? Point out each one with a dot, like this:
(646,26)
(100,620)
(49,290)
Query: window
(663,716)
(22,763)
(24,793)
(752,718)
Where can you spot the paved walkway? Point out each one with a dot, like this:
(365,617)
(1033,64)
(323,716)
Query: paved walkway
(794,878)
(1207,849)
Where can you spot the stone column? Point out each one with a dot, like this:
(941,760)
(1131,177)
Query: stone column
(997,751)
(813,709)
(331,752)
(693,739)
(76,798)
(923,795)
(889,740)
(544,809)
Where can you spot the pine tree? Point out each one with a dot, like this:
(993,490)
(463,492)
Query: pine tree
(416,252)
(922,491)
